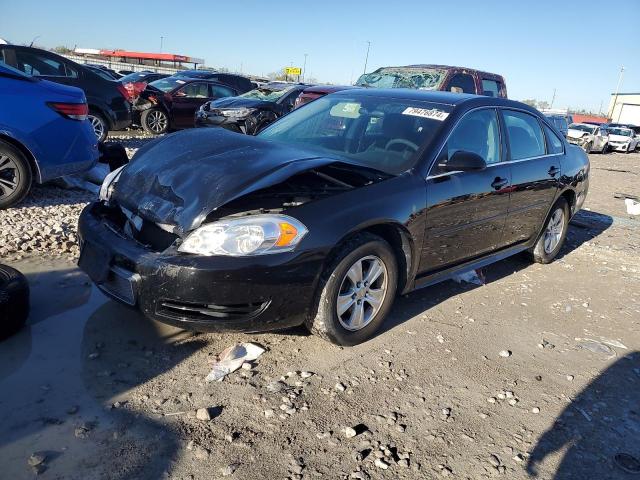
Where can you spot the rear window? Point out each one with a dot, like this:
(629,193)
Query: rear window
(490,88)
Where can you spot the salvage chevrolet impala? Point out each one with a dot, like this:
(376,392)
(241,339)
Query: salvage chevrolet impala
(328,213)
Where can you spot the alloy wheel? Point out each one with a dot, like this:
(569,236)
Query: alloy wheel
(554,230)
(157,121)
(98,126)
(9,176)
(362,293)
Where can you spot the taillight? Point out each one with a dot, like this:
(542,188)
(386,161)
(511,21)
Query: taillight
(125,92)
(134,89)
(75,111)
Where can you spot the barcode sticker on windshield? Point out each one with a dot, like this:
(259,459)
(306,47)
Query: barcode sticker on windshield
(432,113)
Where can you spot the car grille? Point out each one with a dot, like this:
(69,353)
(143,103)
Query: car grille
(198,311)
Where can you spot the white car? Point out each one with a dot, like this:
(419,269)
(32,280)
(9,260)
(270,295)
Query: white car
(591,138)
(622,139)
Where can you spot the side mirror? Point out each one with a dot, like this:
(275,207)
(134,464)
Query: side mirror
(464,161)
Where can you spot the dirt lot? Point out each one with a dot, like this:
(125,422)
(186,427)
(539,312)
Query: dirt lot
(100,392)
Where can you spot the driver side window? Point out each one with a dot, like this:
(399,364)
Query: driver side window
(477,132)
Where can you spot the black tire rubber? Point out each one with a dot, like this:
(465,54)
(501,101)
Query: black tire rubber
(537,253)
(143,120)
(24,171)
(14,301)
(105,125)
(605,149)
(587,147)
(325,323)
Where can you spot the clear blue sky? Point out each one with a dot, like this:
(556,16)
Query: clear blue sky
(575,47)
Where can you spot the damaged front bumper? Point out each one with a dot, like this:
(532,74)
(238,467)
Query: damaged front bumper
(211,119)
(619,146)
(197,292)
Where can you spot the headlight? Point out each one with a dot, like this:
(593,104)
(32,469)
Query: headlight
(251,235)
(236,112)
(108,184)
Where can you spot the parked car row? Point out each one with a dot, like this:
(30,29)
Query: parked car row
(603,138)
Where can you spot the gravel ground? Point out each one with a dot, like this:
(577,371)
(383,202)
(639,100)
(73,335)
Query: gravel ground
(534,375)
(45,222)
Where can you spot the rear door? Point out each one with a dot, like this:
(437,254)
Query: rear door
(186,101)
(466,211)
(535,153)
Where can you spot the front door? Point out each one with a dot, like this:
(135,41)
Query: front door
(466,211)
(186,101)
(536,169)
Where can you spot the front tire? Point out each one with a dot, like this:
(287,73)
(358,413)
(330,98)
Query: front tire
(155,121)
(605,148)
(15,175)
(358,288)
(553,234)
(587,147)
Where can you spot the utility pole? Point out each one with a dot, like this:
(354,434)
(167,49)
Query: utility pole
(366,59)
(304,67)
(161,40)
(553,99)
(615,98)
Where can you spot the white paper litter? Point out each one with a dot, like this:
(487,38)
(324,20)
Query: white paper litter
(232,358)
(633,207)
(472,276)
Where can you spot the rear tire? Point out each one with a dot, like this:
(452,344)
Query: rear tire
(15,175)
(14,301)
(155,121)
(99,125)
(365,303)
(553,233)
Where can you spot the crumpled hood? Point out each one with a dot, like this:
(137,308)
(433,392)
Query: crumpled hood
(240,102)
(181,178)
(576,133)
(619,138)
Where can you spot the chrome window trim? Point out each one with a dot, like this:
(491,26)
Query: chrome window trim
(496,108)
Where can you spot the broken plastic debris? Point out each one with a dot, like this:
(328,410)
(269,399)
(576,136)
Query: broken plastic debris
(595,347)
(633,207)
(472,276)
(232,358)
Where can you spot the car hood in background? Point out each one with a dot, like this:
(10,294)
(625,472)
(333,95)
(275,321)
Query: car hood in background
(240,102)
(576,133)
(180,179)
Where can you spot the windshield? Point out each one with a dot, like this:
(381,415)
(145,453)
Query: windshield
(167,84)
(582,127)
(268,93)
(377,132)
(420,78)
(134,77)
(625,132)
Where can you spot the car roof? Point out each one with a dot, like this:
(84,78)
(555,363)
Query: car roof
(328,88)
(447,67)
(436,96)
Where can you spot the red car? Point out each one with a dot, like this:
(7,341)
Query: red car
(318,91)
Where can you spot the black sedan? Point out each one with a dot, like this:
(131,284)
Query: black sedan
(251,112)
(327,214)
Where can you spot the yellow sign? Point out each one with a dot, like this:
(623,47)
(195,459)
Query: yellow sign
(293,70)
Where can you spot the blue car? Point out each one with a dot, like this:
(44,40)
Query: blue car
(44,133)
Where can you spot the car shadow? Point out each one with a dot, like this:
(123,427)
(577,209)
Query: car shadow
(599,432)
(583,228)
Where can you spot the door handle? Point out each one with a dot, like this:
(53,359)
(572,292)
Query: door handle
(553,171)
(499,182)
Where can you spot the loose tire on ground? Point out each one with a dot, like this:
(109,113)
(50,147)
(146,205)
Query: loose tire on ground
(541,253)
(15,175)
(155,121)
(14,301)
(362,247)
